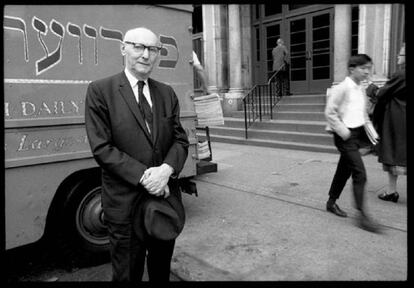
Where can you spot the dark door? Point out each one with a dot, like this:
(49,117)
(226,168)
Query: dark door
(310,44)
(259,66)
(272,33)
(265,38)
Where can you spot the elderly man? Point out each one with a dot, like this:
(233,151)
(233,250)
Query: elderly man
(280,56)
(135,134)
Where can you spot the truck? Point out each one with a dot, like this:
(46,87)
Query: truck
(51,54)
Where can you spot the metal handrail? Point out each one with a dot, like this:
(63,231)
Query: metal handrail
(274,74)
(255,104)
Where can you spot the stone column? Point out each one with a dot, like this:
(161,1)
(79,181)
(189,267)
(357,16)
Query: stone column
(232,99)
(342,41)
(246,26)
(374,38)
(214,40)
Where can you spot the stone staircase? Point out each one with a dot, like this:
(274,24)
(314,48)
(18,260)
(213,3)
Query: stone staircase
(298,123)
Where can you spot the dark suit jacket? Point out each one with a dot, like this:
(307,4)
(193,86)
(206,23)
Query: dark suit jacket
(122,146)
(280,57)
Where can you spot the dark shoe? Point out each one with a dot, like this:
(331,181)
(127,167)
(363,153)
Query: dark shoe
(335,209)
(368,224)
(389,197)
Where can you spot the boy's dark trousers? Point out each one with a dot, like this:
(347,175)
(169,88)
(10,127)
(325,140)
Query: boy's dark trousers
(350,164)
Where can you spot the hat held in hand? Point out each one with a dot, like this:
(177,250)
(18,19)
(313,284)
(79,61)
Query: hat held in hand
(160,218)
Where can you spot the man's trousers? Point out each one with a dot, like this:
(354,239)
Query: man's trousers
(128,254)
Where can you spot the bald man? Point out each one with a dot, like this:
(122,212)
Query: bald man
(141,147)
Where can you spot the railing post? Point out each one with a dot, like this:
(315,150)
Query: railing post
(245,117)
(271,100)
(266,99)
(260,103)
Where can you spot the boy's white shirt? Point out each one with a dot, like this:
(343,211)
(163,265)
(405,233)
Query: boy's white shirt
(346,107)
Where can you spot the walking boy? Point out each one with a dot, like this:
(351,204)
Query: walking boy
(346,113)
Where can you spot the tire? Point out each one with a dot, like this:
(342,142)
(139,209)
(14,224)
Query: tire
(82,236)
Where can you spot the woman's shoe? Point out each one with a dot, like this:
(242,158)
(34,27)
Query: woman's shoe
(389,197)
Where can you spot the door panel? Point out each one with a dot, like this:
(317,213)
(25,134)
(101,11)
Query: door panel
(311,52)
(298,56)
(272,34)
(263,60)
(320,66)
(259,66)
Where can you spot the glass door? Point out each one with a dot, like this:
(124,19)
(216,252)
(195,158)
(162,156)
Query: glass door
(258,65)
(298,55)
(265,37)
(311,42)
(321,62)
(272,34)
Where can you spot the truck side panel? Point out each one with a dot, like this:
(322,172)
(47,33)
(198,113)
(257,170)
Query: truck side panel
(29,193)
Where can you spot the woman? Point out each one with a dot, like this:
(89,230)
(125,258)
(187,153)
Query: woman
(390,120)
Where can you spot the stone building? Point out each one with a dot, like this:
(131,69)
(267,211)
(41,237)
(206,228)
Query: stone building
(234,43)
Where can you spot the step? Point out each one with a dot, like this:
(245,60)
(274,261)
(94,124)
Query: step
(300,99)
(292,125)
(314,99)
(300,107)
(288,115)
(274,144)
(292,115)
(276,135)
(309,107)
(283,125)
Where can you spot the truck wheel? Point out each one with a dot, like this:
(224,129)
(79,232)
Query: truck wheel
(82,235)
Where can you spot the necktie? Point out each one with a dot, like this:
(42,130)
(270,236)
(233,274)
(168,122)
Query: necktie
(144,106)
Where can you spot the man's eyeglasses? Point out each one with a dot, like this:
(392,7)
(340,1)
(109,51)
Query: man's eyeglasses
(140,48)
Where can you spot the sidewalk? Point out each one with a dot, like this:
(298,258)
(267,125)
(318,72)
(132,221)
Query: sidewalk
(262,217)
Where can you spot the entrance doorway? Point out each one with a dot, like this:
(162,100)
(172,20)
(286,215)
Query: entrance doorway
(266,37)
(311,54)
(308,34)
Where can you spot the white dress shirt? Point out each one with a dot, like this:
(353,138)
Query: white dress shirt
(133,81)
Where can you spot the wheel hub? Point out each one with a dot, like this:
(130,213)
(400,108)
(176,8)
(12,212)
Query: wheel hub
(90,218)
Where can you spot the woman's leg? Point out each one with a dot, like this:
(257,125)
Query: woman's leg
(392,182)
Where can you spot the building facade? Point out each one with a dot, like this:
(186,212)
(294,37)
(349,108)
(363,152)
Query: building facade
(235,42)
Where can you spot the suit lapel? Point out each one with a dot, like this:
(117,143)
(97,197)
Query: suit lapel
(129,97)
(156,108)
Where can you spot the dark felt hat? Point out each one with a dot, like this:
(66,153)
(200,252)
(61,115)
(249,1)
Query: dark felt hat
(160,218)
